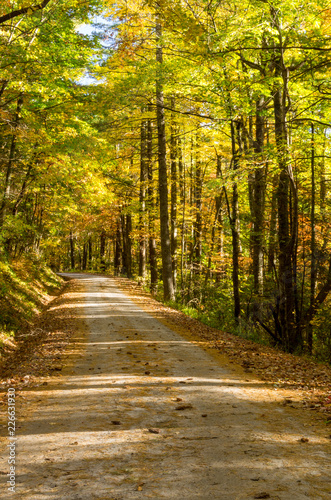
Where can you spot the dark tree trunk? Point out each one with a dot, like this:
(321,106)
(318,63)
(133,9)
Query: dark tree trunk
(126,244)
(313,240)
(287,240)
(102,250)
(151,209)
(128,257)
(11,159)
(79,258)
(142,199)
(258,201)
(24,187)
(84,263)
(72,250)
(286,300)
(118,250)
(90,253)
(235,219)
(168,284)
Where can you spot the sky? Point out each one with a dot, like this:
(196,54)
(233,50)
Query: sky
(88,29)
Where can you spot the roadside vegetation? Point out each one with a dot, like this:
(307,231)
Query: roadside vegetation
(26,286)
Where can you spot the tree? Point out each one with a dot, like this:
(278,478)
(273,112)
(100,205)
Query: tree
(167,275)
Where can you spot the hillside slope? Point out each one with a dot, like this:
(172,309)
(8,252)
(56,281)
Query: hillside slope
(26,285)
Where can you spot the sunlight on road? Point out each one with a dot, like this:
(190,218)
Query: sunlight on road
(141,405)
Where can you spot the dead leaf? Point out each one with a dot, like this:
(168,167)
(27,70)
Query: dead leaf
(184,407)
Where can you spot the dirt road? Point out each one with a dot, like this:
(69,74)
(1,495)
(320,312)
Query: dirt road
(144,413)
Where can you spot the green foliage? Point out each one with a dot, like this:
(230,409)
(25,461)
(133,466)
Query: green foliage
(322,333)
(72,153)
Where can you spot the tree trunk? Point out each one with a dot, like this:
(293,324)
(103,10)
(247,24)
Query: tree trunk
(273,225)
(102,250)
(198,210)
(142,200)
(24,187)
(168,284)
(90,253)
(84,263)
(11,159)
(286,328)
(182,198)
(151,209)
(235,220)
(258,201)
(285,271)
(118,250)
(173,191)
(313,240)
(127,257)
(323,181)
(72,250)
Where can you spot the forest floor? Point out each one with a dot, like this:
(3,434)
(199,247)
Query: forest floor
(119,397)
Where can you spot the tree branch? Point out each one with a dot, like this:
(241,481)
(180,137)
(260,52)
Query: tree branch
(309,120)
(24,10)
(252,64)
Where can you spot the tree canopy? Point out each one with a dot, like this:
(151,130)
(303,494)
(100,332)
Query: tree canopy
(196,156)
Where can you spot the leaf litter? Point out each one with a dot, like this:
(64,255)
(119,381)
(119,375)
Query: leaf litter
(308,380)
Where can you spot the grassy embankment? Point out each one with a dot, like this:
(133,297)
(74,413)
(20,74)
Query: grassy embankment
(25,287)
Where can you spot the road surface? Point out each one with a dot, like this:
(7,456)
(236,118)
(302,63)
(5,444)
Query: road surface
(144,413)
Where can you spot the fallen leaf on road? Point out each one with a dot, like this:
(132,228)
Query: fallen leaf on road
(184,407)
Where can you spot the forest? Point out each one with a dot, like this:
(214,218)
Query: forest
(181,143)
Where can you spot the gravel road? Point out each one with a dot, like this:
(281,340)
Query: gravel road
(144,413)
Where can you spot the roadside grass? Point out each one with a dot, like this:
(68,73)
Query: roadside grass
(25,287)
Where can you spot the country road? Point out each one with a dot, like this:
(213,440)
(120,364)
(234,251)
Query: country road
(144,413)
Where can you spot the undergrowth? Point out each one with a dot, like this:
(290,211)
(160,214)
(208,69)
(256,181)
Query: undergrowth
(24,287)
